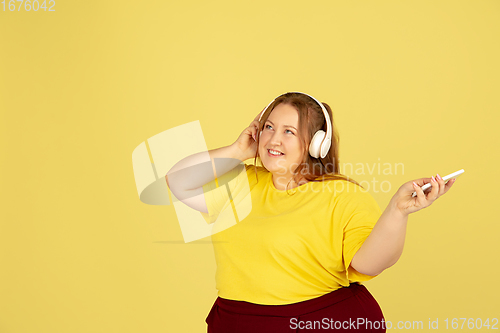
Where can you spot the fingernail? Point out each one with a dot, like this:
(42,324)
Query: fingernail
(438,176)
(433,179)
(415,184)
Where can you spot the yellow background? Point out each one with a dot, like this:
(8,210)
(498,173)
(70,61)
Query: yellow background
(413,82)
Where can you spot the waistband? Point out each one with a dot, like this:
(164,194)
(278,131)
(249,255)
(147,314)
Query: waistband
(294,309)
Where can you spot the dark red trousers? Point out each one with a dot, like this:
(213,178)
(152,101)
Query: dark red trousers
(351,308)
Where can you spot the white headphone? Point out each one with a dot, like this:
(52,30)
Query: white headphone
(321,141)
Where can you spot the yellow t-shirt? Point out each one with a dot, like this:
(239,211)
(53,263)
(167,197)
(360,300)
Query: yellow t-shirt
(287,249)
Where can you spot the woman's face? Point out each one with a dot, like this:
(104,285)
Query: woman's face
(280,133)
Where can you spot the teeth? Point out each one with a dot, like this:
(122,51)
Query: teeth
(274,152)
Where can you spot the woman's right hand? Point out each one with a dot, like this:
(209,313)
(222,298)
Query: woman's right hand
(247,141)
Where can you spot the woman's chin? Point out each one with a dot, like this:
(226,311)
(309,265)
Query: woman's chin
(273,169)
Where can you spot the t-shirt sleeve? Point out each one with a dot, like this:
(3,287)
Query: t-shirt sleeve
(221,191)
(360,214)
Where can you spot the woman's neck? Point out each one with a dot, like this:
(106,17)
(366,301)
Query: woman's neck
(280,182)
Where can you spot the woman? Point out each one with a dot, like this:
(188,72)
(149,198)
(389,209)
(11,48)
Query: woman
(295,261)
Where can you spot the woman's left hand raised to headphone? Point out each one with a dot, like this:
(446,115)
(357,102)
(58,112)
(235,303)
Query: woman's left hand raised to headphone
(247,141)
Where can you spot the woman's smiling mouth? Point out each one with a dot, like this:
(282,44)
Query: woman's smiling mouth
(274,153)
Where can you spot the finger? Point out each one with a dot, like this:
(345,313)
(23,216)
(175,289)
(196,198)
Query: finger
(420,195)
(422,181)
(449,184)
(442,186)
(434,194)
(258,128)
(255,124)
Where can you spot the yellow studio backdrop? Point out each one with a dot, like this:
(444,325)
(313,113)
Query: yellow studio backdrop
(410,82)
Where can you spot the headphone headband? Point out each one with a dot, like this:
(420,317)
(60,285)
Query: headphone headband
(316,147)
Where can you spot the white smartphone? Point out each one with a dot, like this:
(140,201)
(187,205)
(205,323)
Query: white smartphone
(445,178)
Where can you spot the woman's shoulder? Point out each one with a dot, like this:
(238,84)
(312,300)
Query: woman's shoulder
(255,168)
(255,173)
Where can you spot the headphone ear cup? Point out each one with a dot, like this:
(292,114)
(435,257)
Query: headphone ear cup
(325,147)
(314,146)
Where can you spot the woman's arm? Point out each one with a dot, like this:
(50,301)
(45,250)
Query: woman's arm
(383,247)
(196,170)
(187,177)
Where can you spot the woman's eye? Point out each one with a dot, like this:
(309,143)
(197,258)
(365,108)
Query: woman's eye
(287,129)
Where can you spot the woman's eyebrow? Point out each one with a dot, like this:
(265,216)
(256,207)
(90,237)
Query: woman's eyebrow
(283,125)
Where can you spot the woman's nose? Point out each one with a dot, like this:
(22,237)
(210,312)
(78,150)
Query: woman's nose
(276,139)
